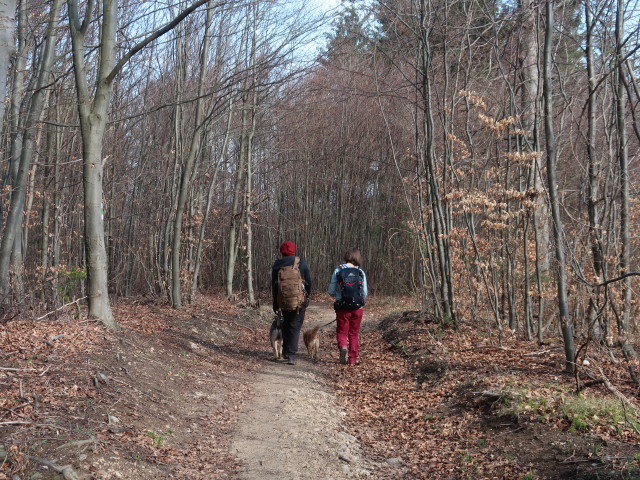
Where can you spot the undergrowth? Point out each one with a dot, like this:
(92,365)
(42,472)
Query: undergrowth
(583,413)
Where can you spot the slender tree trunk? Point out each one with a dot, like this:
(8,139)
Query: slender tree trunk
(566,321)
(57,214)
(236,209)
(15,120)
(172,184)
(46,210)
(249,200)
(249,131)
(187,171)
(625,214)
(438,218)
(13,226)
(593,183)
(15,124)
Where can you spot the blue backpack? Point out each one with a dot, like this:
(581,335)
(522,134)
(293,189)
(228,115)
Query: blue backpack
(351,280)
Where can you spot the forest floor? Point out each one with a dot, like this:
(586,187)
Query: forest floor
(196,394)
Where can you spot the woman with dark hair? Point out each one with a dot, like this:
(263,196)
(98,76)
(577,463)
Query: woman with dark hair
(349,288)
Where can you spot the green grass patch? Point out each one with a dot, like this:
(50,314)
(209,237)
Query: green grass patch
(158,439)
(584,413)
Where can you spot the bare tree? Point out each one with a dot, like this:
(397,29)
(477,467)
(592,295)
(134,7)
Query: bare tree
(186,172)
(93,107)
(13,226)
(566,322)
(625,214)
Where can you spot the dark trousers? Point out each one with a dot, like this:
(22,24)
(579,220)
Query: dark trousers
(291,325)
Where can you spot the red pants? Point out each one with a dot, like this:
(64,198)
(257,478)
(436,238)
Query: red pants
(348,331)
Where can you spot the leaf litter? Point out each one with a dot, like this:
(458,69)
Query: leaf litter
(159,399)
(456,405)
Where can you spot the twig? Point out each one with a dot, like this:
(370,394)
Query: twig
(615,391)
(60,308)
(53,339)
(44,425)
(232,322)
(11,369)
(534,354)
(488,347)
(133,388)
(583,385)
(78,443)
(626,419)
(67,471)
(13,409)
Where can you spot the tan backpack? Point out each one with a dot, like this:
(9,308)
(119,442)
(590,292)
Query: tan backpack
(291,292)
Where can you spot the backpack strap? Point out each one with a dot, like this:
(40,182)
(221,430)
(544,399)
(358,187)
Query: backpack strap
(296,266)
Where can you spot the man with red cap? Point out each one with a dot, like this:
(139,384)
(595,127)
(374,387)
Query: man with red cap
(291,319)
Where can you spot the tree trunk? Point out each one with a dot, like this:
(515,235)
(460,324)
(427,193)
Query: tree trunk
(593,184)
(249,200)
(13,228)
(7,30)
(236,211)
(187,171)
(625,213)
(93,118)
(566,323)
(437,214)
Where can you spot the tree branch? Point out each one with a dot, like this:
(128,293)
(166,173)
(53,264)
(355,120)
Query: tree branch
(154,36)
(617,279)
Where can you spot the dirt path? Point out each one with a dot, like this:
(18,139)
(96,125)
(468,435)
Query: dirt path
(293,428)
(180,394)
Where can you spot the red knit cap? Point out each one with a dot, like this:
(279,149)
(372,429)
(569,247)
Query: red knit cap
(288,248)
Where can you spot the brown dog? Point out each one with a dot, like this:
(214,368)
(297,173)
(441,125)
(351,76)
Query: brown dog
(312,342)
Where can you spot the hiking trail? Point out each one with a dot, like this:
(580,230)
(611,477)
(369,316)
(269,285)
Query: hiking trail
(293,427)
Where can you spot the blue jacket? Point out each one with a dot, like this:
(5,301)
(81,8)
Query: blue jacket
(334,287)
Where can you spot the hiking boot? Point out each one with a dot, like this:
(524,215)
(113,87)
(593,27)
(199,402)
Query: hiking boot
(343,355)
(291,360)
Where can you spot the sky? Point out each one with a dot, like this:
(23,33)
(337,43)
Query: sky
(327,8)
(327,4)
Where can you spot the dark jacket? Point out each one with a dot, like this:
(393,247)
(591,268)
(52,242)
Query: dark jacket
(304,273)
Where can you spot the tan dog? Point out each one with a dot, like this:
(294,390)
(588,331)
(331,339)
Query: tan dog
(312,342)
(275,337)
